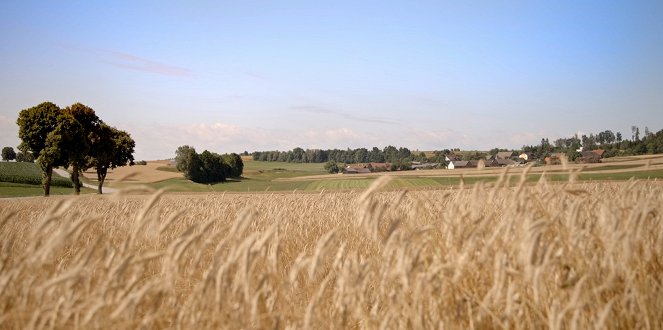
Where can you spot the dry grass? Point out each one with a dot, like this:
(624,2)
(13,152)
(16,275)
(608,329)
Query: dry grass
(544,256)
(137,173)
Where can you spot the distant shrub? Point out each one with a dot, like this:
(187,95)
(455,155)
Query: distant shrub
(140,162)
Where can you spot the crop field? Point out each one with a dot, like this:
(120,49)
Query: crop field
(503,254)
(28,173)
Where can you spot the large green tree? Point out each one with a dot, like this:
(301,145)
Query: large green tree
(235,164)
(78,147)
(8,154)
(187,161)
(214,169)
(35,125)
(110,148)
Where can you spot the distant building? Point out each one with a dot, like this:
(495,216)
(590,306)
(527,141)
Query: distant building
(356,170)
(599,152)
(424,166)
(452,157)
(505,162)
(491,162)
(505,155)
(454,164)
(527,156)
(589,157)
(378,167)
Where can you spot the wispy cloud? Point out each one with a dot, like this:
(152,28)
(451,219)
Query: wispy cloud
(131,62)
(346,115)
(157,141)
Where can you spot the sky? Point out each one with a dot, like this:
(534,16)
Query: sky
(234,76)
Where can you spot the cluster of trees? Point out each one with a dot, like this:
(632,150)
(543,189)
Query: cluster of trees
(614,144)
(389,154)
(207,167)
(9,154)
(72,137)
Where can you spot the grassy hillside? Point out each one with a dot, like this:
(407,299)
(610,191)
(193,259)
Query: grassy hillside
(28,173)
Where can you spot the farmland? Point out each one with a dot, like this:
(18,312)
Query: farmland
(287,177)
(501,254)
(28,173)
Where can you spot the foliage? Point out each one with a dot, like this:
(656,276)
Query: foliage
(8,154)
(79,146)
(235,164)
(28,173)
(213,168)
(34,125)
(389,154)
(612,143)
(110,148)
(331,167)
(73,137)
(26,157)
(207,167)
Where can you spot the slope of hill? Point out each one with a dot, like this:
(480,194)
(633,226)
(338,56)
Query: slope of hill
(28,173)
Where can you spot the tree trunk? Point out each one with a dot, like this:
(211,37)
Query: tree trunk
(75,178)
(101,177)
(46,180)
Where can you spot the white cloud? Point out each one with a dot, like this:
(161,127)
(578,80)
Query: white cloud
(159,141)
(8,132)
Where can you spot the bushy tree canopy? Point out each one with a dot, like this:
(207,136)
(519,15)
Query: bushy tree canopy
(110,148)
(67,137)
(8,154)
(207,167)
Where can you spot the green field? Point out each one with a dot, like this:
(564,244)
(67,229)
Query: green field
(258,177)
(266,177)
(10,189)
(611,167)
(29,173)
(309,168)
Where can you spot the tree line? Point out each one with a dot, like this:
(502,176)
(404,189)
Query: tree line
(614,144)
(9,154)
(207,167)
(72,137)
(389,154)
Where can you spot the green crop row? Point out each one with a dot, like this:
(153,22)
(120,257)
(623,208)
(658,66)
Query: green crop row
(28,173)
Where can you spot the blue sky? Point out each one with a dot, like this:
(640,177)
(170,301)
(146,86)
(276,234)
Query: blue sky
(259,75)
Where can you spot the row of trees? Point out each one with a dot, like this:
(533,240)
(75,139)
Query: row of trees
(207,167)
(72,137)
(613,143)
(389,154)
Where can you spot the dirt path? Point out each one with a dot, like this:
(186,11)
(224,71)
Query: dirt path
(66,174)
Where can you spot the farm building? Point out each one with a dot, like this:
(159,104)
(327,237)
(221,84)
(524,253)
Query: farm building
(424,166)
(505,155)
(356,170)
(527,156)
(452,157)
(589,157)
(454,164)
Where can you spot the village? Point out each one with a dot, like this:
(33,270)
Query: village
(500,159)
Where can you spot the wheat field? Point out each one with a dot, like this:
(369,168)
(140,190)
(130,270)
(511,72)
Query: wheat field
(559,256)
